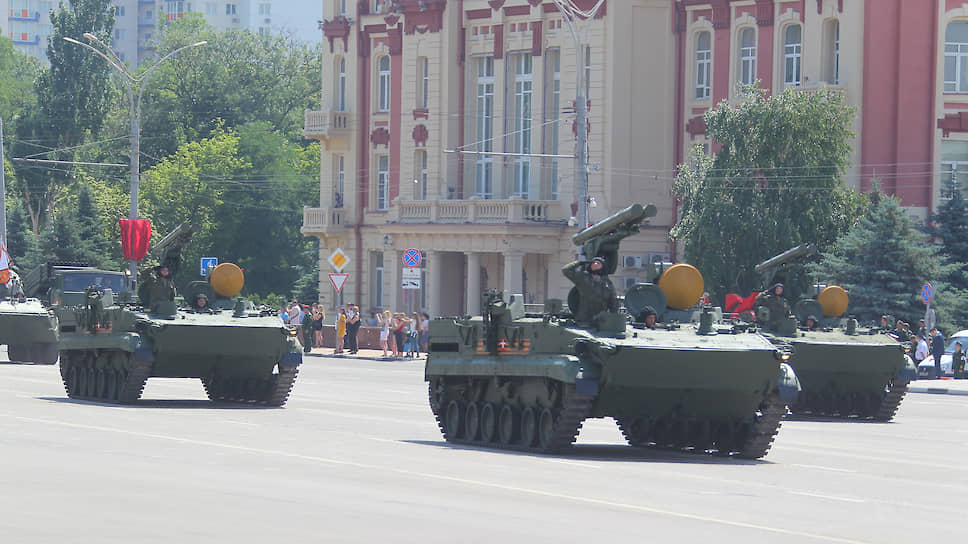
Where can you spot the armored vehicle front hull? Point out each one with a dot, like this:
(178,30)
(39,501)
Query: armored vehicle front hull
(848,375)
(669,387)
(29,330)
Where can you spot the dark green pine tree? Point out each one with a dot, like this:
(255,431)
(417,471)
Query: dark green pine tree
(950,225)
(97,248)
(883,261)
(18,230)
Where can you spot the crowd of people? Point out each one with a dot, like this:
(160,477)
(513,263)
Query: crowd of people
(400,335)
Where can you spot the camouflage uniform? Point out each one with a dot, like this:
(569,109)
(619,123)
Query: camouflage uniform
(597,294)
(779,309)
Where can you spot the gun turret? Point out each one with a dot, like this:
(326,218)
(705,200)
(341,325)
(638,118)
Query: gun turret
(800,253)
(602,239)
(169,248)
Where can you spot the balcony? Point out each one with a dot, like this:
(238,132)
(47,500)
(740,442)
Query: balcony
(23,15)
(473,211)
(323,220)
(328,125)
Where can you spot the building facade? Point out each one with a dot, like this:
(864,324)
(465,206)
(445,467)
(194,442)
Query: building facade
(447,126)
(433,111)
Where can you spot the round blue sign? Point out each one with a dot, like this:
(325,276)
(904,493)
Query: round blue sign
(926,293)
(411,257)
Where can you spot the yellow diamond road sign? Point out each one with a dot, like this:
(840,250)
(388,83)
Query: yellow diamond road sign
(338,260)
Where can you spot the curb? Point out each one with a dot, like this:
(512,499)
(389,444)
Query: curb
(359,357)
(937,390)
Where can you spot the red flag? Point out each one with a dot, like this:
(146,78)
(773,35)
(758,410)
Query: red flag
(737,304)
(135,238)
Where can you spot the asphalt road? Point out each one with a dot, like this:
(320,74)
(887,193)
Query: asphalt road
(356,456)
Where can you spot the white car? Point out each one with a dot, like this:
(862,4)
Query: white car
(926,367)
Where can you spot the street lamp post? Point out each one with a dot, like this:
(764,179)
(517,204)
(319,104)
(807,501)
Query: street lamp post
(135,86)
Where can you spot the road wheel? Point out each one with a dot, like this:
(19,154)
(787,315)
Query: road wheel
(546,428)
(489,415)
(472,420)
(529,426)
(455,420)
(508,425)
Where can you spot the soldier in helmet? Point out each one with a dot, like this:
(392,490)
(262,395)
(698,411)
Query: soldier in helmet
(647,316)
(810,323)
(201,302)
(772,299)
(596,292)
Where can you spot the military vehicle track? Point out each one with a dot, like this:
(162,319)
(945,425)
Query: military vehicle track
(272,391)
(744,439)
(519,426)
(881,407)
(103,375)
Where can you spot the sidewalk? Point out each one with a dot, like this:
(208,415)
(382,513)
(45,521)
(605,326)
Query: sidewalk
(365,354)
(944,386)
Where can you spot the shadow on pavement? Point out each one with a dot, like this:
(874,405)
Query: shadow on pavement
(166,404)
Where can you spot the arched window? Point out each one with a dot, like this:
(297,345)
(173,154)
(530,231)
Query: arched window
(704,56)
(956,57)
(384,81)
(340,84)
(747,56)
(792,51)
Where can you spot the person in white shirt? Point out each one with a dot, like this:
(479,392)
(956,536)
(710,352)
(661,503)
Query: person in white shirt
(921,351)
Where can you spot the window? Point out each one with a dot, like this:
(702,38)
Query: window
(340,84)
(520,132)
(423,82)
(265,10)
(120,34)
(211,8)
(230,9)
(552,112)
(704,57)
(378,279)
(341,8)
(383,182)
(747,56)
(379,6)
(119,11)
(956,57)
(483,174)
(339,161)
(954,168)
(383,95)
(588,72)
(792,49)
(420,176)
(831,52)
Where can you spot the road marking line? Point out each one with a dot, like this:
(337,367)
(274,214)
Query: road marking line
(831,497)
(571,463)
(454,479)
(832,469)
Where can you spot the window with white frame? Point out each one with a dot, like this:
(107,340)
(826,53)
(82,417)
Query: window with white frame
(377,279)
(954,168)
(383,182)
(265,10)
(956,57)
(420,177)
(341,8)
(484,135)
(747,56)
(521,65)
(340,84)
(588,72)
(119,11)
(552,111)
(792,52)
(339,161)
(231,9)
(704,56)
(379,6)
(423,82)
(211,8)
(383,80)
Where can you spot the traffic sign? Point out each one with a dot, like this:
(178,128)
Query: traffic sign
(926,293)
(207,262)
(338,260)
(338,281)
(411,273)
(410,283)
(411,257)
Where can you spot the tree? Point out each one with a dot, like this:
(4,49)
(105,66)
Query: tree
(883,261)
(776,182)
(73,96)
(238,77)
(17,73)
(950,224)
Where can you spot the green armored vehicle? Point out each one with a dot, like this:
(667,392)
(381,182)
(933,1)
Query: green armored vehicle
(108,349)
(27,327)
(845,370)
(507,379)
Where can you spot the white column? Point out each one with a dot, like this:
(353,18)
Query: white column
(434,276)
(473,291)
(391,284)
(513,263)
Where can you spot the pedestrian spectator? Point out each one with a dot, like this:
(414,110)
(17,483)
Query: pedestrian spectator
(284,314)
(922,331)
(319,314)
(399,336)
(413,336)
(374,320)
(958,362)
(306,328)
(340,330)
(424,331)
(921,352)
(296,318)
(352,327)
(384,320)
(937,350)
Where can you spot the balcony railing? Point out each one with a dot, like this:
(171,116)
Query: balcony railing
(473,211)
(327,124)
(321,220)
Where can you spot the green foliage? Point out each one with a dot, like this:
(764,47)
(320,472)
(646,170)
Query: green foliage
(883,261)
(950,224)
(776,182)
(238,77)
(17,73)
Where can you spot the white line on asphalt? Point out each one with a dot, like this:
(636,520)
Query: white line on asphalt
(832,469)
(571,463)
(454,479)
(360,416)
(240,422)
(830,497)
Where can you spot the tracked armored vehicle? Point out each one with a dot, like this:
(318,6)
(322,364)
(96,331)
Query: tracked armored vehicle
(511,380)
(108,350)
(845,370)
(27,327)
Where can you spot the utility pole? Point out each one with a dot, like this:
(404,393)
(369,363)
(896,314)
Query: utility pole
(3,193)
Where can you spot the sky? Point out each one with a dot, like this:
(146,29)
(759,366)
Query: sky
(300,16)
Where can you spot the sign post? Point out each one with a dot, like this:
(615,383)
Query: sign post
(930,318)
